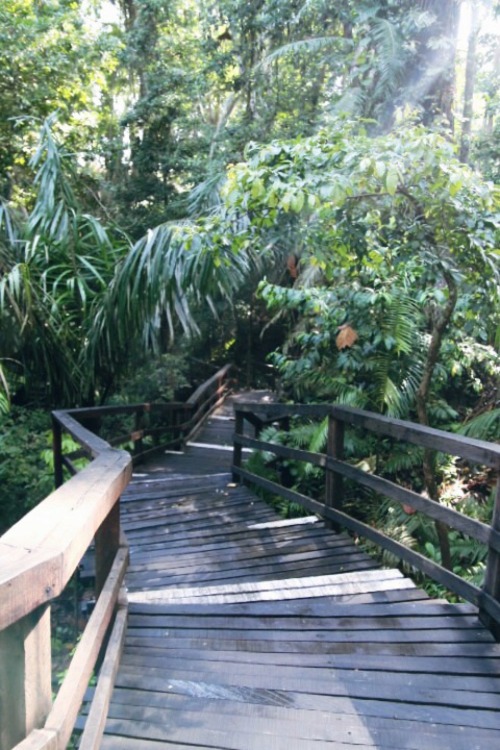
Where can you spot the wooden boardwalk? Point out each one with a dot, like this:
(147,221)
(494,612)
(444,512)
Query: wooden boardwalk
(247,632)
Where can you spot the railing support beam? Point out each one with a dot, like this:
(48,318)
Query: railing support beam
(57,452)
(237,450)
(492,578)
(25,667)
(334,485)
(107,542)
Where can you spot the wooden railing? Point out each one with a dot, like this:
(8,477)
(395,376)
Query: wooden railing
(39,555)
(487,598)
(157,427)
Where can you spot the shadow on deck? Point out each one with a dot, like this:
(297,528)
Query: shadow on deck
(249,632)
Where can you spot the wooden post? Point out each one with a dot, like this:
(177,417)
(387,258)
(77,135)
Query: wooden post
(25,677)
(284,471)
(334,490)
(107,541)
(57,452)
(258,424)
(492,579)
(138,427)
(181,417)
(238,430)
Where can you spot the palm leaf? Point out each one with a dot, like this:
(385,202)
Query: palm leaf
(485,426)
(305,46)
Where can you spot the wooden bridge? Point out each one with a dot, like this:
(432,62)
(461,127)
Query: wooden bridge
(239,630)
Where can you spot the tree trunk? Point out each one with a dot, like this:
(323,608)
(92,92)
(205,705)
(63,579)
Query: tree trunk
(440,324)
(430,83)
(470,80)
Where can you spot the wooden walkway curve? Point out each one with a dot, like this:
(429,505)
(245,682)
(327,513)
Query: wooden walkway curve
(247,632)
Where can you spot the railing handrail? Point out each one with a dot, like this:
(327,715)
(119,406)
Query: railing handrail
(476,451)
(196,397)
(38,558)
(471,449)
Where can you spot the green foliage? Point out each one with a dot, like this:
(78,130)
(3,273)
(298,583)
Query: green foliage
(485,426)
(380,372)
(77,299)
(392,228)
(51,60)
(24,473)
(159,379)
(57,264)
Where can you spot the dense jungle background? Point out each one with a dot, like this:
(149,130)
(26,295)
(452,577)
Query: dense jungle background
(309,189)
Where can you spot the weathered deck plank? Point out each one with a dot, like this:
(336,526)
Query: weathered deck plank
(246,634)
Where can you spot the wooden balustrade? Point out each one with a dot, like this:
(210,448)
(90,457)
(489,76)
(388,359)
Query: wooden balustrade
(39,555)
(177,423)
(487,598)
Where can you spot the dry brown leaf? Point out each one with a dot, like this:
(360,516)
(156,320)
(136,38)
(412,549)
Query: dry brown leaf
(347,337)
(292,266)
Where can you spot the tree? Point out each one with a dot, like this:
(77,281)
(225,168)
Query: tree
(396,213)
(50,60)
(56,264)
(78,298)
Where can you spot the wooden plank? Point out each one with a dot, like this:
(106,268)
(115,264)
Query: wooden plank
(265,719)
(406,633)
(96,719)
(453,665)
(313,693)
(249,735)
(433,570)
(248,569)
(302,679)
(113,742)
(341,583)
(316,610)
(227,701)
(274,594)
(286,522)
(278,575)
(243,547)
(154,580)
(294,644)
(235,531)
(248,546)
(65,709)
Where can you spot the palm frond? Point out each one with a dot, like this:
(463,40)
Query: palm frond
(352,101)
(168,272)
(391,58)
(206,197)
(4,393)
(485,426)
(305,46)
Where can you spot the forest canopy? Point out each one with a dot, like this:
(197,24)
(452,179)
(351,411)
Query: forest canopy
(305,167)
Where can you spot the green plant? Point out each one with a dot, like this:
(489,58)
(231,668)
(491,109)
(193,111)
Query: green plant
(161,378)
(24,474)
